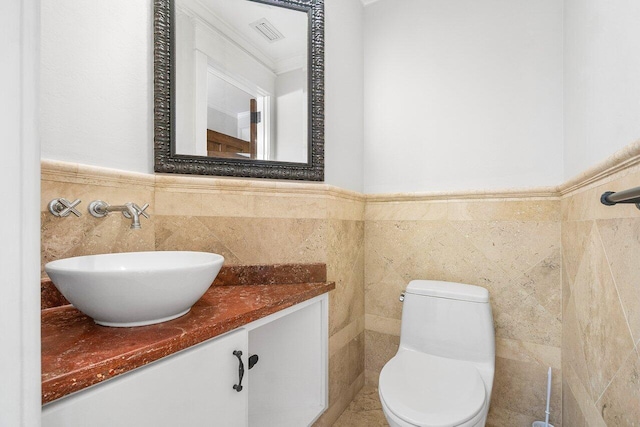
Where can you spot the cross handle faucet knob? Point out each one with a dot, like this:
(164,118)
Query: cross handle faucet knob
(62,207)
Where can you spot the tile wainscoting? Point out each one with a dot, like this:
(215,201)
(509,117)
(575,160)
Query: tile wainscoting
(561,269)
(563,273)
(601,304)
(511,246)
(248,222)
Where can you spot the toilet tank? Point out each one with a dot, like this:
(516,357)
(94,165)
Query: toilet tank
(448,319)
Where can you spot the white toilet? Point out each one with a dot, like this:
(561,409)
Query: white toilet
(442,374)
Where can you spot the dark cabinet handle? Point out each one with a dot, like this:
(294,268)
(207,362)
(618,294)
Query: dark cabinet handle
(253,360)
(238,387)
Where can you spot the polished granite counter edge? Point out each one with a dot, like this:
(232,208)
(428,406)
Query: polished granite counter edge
(229,275)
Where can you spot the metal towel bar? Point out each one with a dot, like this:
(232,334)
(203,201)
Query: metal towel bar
(611,198)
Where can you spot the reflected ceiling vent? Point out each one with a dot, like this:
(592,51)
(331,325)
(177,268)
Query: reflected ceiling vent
(267,30)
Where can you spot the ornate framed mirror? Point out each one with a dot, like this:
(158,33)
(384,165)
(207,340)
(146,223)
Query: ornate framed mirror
(239,88)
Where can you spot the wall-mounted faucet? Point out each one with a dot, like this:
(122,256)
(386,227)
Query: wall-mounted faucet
(99,209)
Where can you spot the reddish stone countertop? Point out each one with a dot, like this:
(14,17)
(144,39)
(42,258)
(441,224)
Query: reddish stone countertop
(77,353)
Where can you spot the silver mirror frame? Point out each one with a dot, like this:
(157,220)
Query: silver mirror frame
(167,161)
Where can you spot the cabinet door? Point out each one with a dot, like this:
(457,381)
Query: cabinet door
(289,382)
(191,388)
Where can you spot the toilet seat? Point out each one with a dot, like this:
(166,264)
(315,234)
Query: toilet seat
(426,390)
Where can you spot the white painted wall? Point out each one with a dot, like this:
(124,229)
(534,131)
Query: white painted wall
(467,94)
(97,80)
(97,83)
(602,80)
(291,113)
(221,122)
(462,94)
(20,220)
(344,90)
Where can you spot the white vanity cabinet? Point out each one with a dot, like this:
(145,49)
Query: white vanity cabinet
(191,388)
(195,387)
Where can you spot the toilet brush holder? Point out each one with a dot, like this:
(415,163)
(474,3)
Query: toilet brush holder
(547,412)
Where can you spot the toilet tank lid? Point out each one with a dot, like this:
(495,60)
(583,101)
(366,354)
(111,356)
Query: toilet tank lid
(450,290)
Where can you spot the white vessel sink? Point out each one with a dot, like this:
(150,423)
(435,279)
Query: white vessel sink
(135,288)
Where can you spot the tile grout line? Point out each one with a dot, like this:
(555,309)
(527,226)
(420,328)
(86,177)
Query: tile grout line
(626,319)
(580,401)
(631,353)
(588,386)
(615,282)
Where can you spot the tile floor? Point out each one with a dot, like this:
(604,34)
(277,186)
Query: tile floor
(364,411)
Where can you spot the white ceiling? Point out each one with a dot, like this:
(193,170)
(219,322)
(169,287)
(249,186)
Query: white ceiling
(239,14)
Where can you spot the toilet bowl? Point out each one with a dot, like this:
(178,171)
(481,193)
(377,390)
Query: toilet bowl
(442,374)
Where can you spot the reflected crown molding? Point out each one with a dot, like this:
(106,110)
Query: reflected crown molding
(208,22)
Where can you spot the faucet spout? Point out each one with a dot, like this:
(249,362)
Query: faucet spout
(132,211)
(129,210)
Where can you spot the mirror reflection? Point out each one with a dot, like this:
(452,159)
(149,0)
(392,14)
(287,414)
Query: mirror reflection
(241,87)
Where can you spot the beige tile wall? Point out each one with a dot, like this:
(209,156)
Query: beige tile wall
(601,288)
(562,274)
(71,236)
(511,247)
(248,222)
